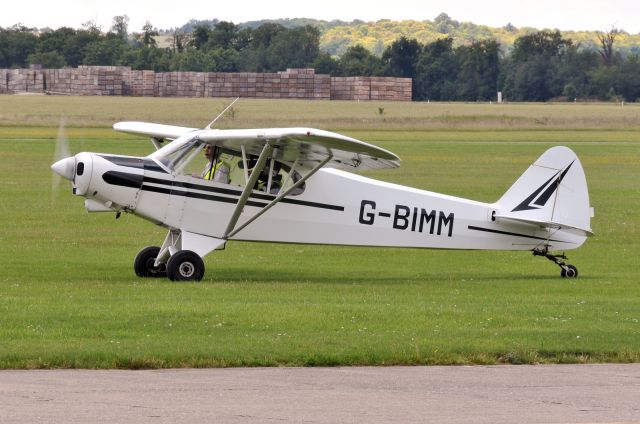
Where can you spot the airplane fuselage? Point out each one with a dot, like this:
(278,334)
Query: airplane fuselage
(336,207)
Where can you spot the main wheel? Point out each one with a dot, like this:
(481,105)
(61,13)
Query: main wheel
(185,265)
(143,265)
(569,272)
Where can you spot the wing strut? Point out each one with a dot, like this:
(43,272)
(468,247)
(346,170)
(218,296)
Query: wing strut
(280,196)
(262,160)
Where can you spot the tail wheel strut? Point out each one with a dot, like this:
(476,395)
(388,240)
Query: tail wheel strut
(566,270)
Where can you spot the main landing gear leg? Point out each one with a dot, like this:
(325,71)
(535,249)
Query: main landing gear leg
(566,270)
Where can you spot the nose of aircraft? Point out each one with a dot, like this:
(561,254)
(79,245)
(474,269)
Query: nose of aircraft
(65,167)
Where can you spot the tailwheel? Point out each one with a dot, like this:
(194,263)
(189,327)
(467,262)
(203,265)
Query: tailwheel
(566,270)
(185,265)
(144,263)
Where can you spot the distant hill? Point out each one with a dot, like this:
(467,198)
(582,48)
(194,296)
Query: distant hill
(337,36)
(375,36)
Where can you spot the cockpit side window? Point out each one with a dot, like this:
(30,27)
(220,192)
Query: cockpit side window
(200,160)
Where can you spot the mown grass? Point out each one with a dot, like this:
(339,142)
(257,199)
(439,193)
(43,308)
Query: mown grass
(69,297)
(87,112)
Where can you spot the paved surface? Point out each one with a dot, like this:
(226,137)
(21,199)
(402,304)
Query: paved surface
(492,394)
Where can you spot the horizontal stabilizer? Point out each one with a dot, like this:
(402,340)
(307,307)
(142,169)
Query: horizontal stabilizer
(546,224)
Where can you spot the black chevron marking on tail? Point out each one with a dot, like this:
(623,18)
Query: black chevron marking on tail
(536,200)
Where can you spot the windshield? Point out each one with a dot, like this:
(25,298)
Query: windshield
(179,158)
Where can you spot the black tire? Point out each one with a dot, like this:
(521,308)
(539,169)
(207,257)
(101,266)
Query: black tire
(572,271)
(185,265)
(143,264)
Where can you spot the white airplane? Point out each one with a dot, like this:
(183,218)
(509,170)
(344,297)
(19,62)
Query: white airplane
(289,185)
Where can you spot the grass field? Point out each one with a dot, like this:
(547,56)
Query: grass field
(69,297)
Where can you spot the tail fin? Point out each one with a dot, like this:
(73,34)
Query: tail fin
(552,192)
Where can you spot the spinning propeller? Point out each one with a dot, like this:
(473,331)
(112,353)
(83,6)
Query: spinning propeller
(65,162)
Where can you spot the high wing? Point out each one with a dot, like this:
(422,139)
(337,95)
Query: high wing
(307,146)
(158,131)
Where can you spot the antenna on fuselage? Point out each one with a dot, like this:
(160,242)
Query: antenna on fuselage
(208,127)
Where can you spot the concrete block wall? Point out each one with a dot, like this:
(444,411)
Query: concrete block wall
(371,88)
(21,80)
(138,83)
(393,89)
(123,81)
(99,81)
(351,88)
(58,81)
(179,84)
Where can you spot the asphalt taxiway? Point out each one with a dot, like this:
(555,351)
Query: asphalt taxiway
(459,394)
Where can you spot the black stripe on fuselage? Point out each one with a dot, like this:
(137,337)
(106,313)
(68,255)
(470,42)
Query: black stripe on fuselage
(232,192)
(507,233)
(124,179)
(195,195)
(169,188)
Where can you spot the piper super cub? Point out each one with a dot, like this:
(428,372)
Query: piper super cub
(290,185)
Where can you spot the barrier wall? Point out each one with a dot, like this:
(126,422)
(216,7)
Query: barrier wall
(123,81)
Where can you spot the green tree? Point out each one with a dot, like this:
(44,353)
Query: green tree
(120,26)
(75,47)
(572,76)
(358,61)
(531,80)
(151,58)
(16,44)
(148,33)
(436,72)
(606,40)
(629,78)
(67,42)
(444,24)
(107,51)
(194,60)
(478,69)
(541,43)
(294,48)
(178,41)
(401,57)
(254,56)
(48,60)
(326,64)
(200,36)
(223,36)
(620,81)
(60,40)
(535,59)
(226,60)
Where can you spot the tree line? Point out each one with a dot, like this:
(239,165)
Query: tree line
(539,66)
